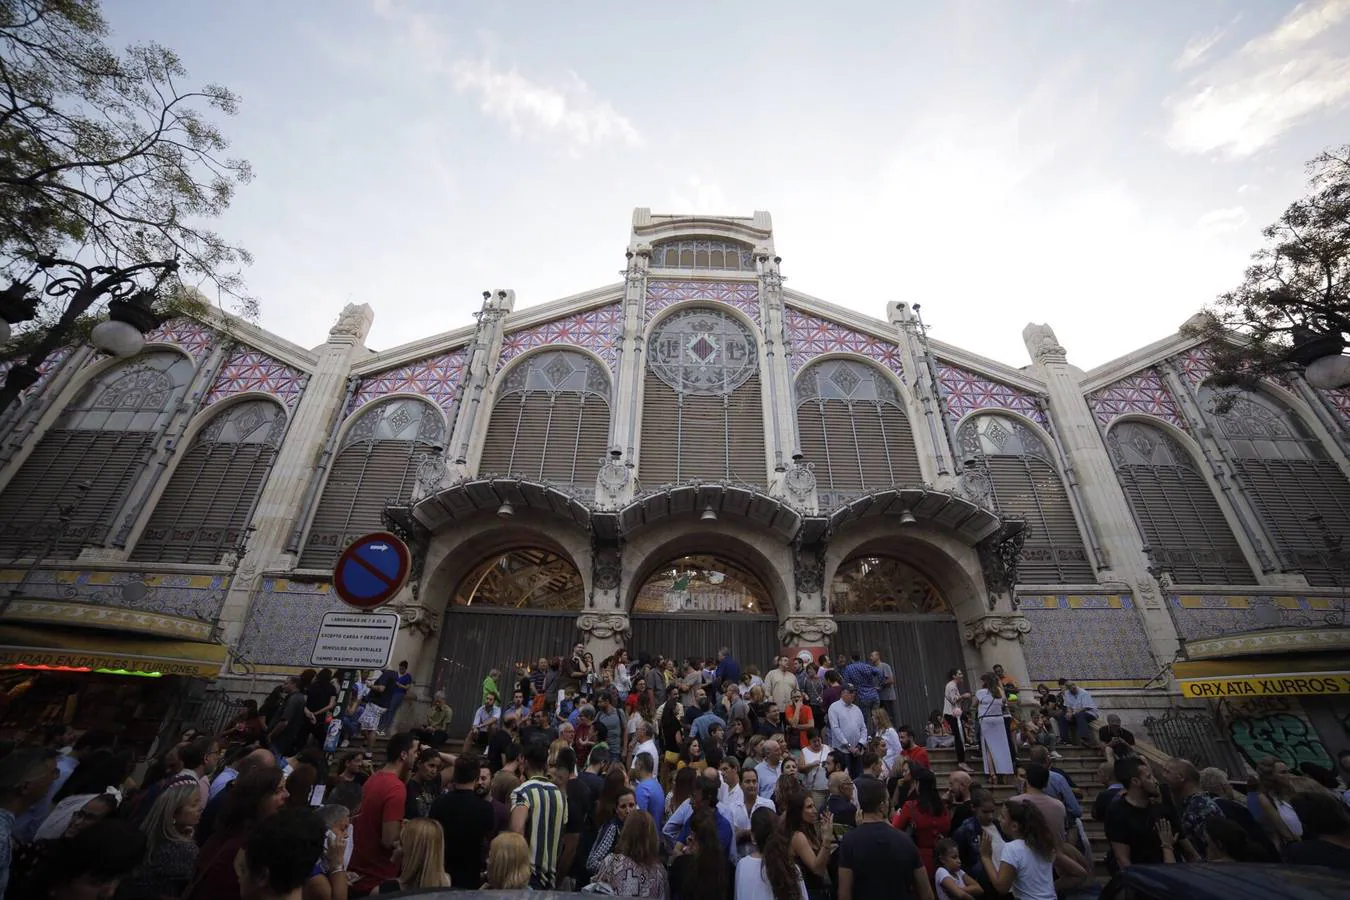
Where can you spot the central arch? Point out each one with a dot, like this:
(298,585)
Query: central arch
(696,591)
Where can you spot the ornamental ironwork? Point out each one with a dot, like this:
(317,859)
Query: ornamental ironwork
(703,351)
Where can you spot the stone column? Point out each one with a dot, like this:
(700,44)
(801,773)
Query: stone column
(282,498)
(926,408)
(782,421)
(484,353)
(614,482)
(1104,504)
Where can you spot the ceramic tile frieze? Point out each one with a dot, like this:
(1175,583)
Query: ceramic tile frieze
(248,369)
(1086,637)
(283,619)
(192,336)
(968,391)
(437,378)
(1143,392)
(599,330)
(744,295)
(810,336)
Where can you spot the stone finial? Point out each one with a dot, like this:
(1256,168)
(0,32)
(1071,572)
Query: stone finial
(354,322)
(1042,344)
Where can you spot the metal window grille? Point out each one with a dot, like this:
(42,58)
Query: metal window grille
(852,427)
(105,439)
(703,254)
(1302,496)
(215,486)
(377,463)
(550,421)
(1024,482)
(1182,524)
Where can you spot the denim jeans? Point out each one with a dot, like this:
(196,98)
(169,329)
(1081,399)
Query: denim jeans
(395,701)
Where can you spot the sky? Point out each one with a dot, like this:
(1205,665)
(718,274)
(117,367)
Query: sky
(1102,167)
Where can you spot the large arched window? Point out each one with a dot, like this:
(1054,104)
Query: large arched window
(210,498)
(702,416)
(376,464)
(884,585)
(1182,524)
(703,253)
(1302,496)
(87,463)
(527,578)
(1024,482)
(551,420)
(853,429)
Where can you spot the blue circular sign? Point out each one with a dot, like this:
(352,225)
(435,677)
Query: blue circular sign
(372,570)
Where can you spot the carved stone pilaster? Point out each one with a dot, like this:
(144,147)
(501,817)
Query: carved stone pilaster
(416,618)
(992,629)
(808,577)
(613,480)
(604,626)
(606,574)
(806,631)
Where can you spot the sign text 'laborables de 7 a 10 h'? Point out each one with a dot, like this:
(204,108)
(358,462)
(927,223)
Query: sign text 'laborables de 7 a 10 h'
(355,640)
(1272,686)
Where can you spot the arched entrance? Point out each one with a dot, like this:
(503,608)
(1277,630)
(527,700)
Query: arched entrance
(515,606)
(697,603)
(884,603)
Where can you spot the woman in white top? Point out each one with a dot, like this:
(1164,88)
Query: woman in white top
(989,706)
(812,767)
(770,872)
(882,728)
(1026,867)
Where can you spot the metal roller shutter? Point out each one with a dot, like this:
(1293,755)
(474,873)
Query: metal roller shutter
(364,477)
(752,640)
(920,650)
(861,446)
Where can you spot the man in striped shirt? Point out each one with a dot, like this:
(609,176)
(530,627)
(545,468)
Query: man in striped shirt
(539,812)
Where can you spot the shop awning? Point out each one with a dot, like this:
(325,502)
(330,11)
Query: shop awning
(68,649)
(1268,676)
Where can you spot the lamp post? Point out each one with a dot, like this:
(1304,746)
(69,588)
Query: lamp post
(1319,355)
(131,311)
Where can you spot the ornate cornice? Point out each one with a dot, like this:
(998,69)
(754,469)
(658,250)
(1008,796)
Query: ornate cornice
(1257,643)
(108,618)
(992,629)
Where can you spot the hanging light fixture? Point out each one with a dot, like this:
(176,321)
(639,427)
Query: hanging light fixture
(907,519)
(709,514)
(129,320)
(506,510)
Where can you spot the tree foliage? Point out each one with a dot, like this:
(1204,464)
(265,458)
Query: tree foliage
(105,156)
(1297,286)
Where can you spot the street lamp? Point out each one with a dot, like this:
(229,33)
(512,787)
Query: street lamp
(131,311)
(1319,355)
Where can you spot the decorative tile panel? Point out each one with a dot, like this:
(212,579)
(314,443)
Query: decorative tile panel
(283,619)
(599,330)
(968,391)
(1195,365)
(1340,401)
(189,334)
(1200,616)
(810,336)
(437,378)
(248,369)
(1142,392)
(189,596)
(744,295)
(1086,638)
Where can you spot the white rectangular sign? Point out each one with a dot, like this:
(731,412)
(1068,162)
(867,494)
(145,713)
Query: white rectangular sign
(355,640)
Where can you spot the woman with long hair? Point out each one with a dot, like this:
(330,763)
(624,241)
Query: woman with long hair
(634,868)
(885,731)
(422,849)
(508,863)
(989,707)
(787,784)
(253,797)
(769,872)
(700,871)
(171,853)
(691,755)
(810,840)
(300,786)
(320,703)
(1274,791)
(611,816)
(681,790)
(671,731)
(1026,865)
(929,816)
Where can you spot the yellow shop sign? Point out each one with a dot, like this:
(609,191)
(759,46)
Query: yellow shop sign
(1302,683)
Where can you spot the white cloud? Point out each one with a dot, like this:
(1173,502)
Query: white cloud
(1197,48)
(533,109)
(1245,101)
(1222,221)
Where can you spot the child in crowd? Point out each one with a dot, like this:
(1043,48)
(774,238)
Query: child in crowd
(951,882)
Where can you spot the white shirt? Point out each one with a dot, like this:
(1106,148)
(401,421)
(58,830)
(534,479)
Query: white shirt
(942,875)
(739,818)
(951,698)
(650,748)
(995,839)
(815,780)
(780,685)
(1035,876)
(847,726)
(893,748)
(481,716)
(751,883)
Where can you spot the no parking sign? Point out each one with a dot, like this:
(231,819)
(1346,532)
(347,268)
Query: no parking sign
(372,570)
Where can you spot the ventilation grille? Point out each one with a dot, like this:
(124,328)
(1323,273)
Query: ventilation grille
(557,437)
(1183,525)
(364,477)
(110,461)
(1291,495)
(706,437)
(857,447)
(1053,552)
(206,504)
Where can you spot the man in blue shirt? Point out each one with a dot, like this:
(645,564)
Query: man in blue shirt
(705,720)
(867,679)
(647,789)
(705,797)
(728,670)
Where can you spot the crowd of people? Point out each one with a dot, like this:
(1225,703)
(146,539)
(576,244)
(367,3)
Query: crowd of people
(640,778)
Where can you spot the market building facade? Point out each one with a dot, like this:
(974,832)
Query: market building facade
(694,457)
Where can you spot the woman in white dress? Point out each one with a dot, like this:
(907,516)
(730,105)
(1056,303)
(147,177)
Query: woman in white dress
(989,705)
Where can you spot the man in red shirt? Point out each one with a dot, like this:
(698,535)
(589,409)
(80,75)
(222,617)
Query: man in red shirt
(375,831)
(912,751)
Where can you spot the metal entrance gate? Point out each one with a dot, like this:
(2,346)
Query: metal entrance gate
(751,639)
(473,643)
(921,650)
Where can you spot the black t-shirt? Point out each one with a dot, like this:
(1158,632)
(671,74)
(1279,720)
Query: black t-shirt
(579,800)
(319,695)
(594,783)
(293,714)
(882,860)
(1135,826)
(844,812)
(1105,797)
(960,812)
(497,747)
(1318,853)
(532,733)
(468,823)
